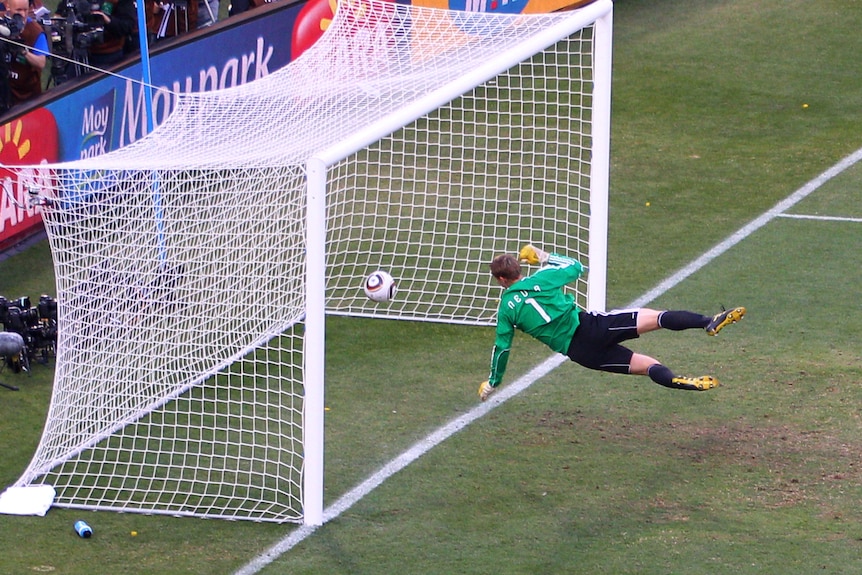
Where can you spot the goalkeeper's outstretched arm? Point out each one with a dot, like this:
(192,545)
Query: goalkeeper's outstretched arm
(499,360)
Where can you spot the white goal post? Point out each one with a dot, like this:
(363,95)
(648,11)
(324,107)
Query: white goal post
(195,267)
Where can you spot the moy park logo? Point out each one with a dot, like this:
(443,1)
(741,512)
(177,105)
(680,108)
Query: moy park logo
(97,126)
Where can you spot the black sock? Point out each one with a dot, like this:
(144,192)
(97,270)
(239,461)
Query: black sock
(680,320)
(661,375)
(664,376)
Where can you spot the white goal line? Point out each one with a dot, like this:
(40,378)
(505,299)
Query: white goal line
(511,390)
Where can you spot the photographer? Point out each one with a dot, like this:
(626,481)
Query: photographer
(118,19)
(26,58)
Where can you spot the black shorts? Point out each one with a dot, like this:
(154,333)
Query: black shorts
(596,343)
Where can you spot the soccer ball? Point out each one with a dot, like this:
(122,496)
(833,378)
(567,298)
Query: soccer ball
(379,286)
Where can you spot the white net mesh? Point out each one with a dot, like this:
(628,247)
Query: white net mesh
(180,259)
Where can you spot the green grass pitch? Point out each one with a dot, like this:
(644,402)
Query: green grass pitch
(720,110)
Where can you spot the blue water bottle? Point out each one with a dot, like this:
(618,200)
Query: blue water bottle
(83,530)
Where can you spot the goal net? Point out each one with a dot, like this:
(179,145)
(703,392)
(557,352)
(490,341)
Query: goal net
(195,267)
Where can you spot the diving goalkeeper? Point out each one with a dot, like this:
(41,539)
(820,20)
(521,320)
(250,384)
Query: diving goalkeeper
(538,306)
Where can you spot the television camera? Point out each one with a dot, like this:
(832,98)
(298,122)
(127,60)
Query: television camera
(29,332)
(72,31)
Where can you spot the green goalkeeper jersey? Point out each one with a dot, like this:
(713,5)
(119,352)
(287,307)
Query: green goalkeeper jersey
(538,306)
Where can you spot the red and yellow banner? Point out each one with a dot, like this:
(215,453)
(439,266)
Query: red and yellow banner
(31,139)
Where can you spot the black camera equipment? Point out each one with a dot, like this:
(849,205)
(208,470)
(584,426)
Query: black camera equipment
(10,29)
(35,327)
(72,33)
(12,349)
(11,26)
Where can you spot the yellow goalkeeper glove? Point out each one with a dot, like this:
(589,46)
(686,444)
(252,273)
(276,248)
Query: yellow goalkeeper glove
(485,390)
(532,255)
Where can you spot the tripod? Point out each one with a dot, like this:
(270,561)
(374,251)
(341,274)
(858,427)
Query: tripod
(70,55)
(64,70)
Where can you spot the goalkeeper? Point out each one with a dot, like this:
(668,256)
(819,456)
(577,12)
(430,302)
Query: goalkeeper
(538,306)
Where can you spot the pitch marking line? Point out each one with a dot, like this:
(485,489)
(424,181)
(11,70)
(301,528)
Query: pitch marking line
(821,218)
(509,391)
(777,211)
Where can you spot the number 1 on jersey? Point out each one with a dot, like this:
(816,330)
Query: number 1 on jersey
(538,309)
